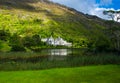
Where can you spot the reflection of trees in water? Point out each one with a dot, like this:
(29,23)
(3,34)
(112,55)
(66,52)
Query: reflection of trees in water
(57,58)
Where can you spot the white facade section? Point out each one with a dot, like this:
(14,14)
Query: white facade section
(56,42)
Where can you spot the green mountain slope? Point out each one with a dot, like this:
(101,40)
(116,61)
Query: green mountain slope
(20,20)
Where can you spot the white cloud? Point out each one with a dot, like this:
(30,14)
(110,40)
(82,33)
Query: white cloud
(87,6)
(80,5)
(99,12)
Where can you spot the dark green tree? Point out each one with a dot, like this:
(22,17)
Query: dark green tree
(29,41)
(4,35)
(16,43)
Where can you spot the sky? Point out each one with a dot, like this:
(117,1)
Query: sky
(92,7)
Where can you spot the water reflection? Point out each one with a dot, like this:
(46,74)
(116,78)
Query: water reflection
(62,52)
(42,54)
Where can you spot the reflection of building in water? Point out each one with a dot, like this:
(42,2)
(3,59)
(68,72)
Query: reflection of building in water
(56,42)
(58,52)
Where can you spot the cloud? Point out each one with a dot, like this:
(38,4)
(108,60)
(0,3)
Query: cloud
(92,7)
(80,5)
(99,12)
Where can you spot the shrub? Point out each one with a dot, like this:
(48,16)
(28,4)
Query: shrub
(18,48)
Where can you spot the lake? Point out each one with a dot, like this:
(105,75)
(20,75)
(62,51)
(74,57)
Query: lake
(61,52)
(54,58)
(50,54)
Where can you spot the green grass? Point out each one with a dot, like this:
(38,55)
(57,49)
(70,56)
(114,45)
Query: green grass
(88,74)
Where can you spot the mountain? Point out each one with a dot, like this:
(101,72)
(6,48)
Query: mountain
(21,20)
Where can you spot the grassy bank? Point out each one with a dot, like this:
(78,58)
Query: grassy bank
(35,61)
(89,74)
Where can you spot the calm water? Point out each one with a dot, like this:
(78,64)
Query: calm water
(46,55)
(61,52)
(50,54)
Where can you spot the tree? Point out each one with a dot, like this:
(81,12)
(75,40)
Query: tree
(4,35)
(113,33)
(117,36)
(113,14)
(118,15)
(32,41)
(16,43)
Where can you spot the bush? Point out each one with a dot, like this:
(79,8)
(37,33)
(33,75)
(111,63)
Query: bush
(17,48)
(16,43)
(4,35)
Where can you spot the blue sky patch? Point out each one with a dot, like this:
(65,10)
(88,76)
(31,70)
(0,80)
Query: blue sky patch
(115,4)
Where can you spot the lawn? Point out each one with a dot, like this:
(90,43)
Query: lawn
(88,74)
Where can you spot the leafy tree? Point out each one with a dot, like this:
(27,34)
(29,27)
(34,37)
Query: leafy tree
(27,41)
(112,14)
(100,43)
(4,35)
(32,41)
(16,43)
(117,36)
(36,39)
(114,34)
